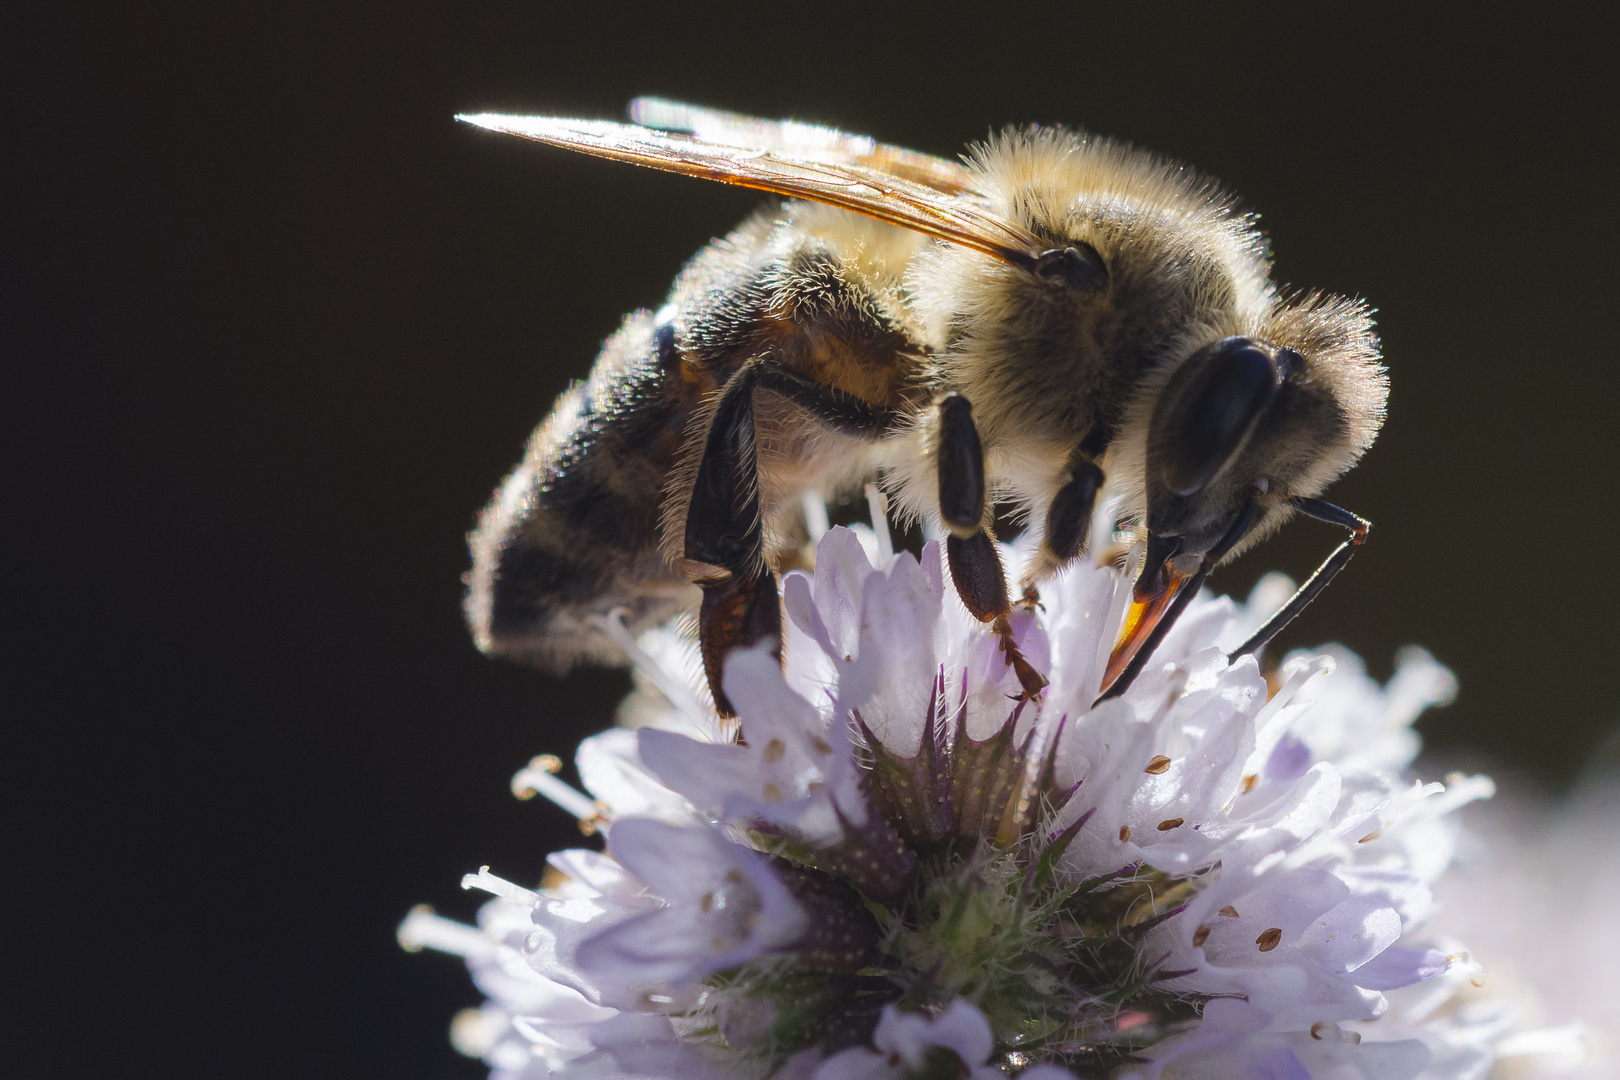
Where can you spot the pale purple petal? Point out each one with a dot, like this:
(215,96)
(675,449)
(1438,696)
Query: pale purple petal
(1396,967)
(1328,1053)
(960,1027)
(724,907)
(902,1042)
(645,1046)
(1289,760)
(841,572)
(896,653)
(1351,934)
(611,769)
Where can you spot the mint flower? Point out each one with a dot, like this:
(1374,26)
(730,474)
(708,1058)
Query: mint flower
(902,870)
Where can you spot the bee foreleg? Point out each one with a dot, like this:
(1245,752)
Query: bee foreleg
(725,537)
(970,548)
(1068,518)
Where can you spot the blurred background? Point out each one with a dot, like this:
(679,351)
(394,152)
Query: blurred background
(274,326)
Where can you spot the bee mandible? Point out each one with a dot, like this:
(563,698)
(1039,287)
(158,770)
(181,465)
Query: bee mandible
(1054,319)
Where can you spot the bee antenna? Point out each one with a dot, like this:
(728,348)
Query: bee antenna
(1332,515)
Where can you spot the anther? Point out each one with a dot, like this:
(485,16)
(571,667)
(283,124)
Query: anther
(1229,911)
(1200,936)
(1170,823)
(1268,940)
(1158,765)
(1124,833)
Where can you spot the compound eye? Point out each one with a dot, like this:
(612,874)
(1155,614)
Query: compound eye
(1078,265)
(1214,413)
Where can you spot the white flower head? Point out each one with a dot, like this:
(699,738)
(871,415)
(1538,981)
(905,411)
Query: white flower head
(903,869)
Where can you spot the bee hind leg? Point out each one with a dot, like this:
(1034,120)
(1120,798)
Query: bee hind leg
(725,542)
(970,548)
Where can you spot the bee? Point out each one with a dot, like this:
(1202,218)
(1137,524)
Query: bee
(1054,319)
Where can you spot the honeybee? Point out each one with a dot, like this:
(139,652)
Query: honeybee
(1055,318)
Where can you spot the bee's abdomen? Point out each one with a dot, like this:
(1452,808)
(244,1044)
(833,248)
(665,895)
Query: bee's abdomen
(593,517)
(572,534)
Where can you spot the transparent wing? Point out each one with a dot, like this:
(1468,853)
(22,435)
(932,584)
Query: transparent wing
(803,142)
(830,172)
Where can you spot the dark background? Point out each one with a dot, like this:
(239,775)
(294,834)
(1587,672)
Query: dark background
(273,327)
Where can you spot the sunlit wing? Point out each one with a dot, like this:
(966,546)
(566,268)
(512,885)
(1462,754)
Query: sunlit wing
(844,183)
(803,142)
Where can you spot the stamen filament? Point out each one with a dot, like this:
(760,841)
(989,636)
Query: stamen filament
(535,779)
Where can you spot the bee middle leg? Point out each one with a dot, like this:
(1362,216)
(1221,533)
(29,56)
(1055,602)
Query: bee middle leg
(970,548)
(725,537)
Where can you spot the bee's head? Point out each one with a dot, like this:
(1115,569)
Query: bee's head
(1143,309)
(1257,418)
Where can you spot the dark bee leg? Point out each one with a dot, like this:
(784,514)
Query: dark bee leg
(724,528)
(970,548)
(723,533)
(1068,519)
(740,610)
(828,404)
(1332,515)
